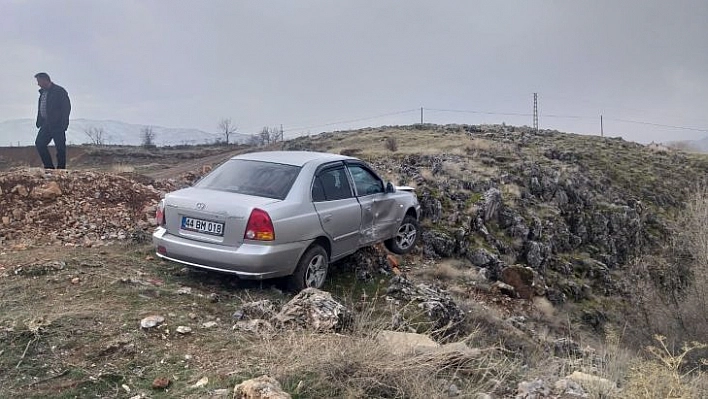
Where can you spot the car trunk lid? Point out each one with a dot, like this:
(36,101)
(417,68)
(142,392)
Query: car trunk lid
(210,215)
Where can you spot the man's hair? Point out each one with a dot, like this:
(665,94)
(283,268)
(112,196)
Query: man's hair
(43,75)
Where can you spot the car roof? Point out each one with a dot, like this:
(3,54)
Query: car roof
(295,158)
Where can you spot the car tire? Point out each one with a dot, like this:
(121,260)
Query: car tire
(311,270)
(406,236)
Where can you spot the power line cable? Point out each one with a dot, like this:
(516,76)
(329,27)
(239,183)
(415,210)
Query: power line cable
(477,112)
(658,125)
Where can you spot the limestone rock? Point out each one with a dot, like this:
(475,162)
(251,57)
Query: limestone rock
(438,243)
(315,310)
(183,330)
(151,321)
(492,204)
(444,314)
(263,387)
(593,383)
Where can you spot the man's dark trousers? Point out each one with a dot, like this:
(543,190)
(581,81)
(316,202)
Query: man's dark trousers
(43,138)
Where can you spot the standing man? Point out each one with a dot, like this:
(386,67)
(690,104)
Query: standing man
(52,120)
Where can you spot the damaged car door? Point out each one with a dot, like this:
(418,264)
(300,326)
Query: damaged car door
(377,208)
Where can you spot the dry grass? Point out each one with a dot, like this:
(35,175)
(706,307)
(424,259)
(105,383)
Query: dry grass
(391,144)
(122,168)
(374,143)
(662,375)
(359,365)
(480,146)
(446,270)
(512,190)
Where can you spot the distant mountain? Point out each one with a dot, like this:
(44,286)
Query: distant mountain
(23,132)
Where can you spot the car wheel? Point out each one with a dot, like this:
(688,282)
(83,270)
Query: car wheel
(311,270)
(406,236)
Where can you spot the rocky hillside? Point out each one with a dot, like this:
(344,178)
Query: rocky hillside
(574,209)
(521,287)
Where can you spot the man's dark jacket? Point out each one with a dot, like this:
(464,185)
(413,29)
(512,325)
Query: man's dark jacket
(58,109)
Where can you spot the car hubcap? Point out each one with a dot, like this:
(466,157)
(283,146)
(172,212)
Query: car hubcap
(406,236)
(316,272)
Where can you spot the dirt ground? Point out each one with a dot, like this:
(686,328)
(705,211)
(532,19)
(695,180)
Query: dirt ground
(70,325)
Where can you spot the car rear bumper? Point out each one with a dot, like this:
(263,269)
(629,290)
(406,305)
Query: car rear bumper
(247,261)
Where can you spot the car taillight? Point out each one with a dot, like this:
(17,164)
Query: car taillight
(160,214)
(259,226)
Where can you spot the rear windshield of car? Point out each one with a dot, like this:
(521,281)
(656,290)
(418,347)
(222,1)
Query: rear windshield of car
(261,179)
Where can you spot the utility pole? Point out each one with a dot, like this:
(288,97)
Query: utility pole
(535,112)
(421,115)
(602,128)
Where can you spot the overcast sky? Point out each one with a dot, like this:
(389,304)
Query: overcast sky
(308,63)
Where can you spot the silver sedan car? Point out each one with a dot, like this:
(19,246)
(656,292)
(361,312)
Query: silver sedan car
(274,214)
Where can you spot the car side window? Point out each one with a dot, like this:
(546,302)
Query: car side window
(365,181)
(330,185)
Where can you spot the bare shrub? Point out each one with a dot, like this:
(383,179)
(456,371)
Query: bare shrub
(267,136)
(670,291)
(96,135)
(661,375)
(391,144)
(147,135)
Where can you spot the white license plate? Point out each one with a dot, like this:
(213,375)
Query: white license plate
(202,226)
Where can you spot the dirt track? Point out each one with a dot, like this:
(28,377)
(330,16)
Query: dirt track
(192,165)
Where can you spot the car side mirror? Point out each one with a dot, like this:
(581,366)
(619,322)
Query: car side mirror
(390,188)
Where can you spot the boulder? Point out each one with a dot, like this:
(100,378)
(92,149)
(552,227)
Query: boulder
(313,309)
(521,278)
(481,257)
(492,204)
(443,313)
(438,243)
(263,387)
(431,207)
(534,256)
(368,262)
